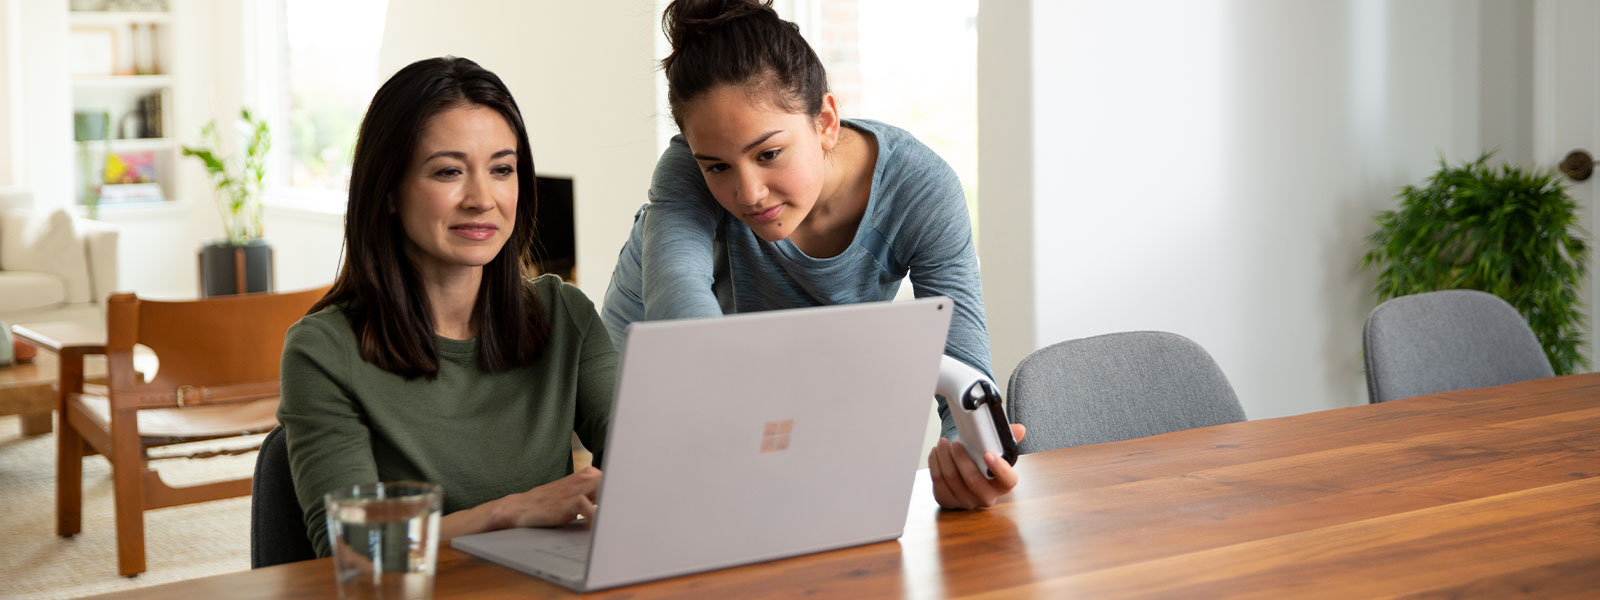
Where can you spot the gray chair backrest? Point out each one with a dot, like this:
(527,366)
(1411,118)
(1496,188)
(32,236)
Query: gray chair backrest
(1117,386)
(277,525)
(1445,341)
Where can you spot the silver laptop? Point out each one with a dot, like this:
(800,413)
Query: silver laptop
(749,438)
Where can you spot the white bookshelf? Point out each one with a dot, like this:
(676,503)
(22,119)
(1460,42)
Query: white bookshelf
(128,145)
(96,18)
(122,82)
(122,98)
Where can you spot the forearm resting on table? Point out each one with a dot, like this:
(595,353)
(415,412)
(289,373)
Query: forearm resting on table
(478,519)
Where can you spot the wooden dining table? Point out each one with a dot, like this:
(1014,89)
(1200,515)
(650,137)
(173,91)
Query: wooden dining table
(1490,492)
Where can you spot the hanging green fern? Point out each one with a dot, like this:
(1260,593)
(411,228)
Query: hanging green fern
(1511,232)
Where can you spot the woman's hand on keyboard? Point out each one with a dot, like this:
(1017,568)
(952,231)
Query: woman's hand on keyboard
(552,504)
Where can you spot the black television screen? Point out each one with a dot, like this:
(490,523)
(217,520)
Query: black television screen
(554,246)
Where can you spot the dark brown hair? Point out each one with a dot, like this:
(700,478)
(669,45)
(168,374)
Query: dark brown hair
(378,287)
(742,43)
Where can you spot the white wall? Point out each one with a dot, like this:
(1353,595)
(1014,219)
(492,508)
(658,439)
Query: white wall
(1566,100)
(41,142)
(1212,169)
(10,62)
(1008,250)
(583,74)
(1506,83)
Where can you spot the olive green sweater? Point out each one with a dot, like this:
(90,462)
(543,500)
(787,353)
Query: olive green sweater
(480,436)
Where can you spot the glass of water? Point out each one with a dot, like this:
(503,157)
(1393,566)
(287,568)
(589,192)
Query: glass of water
(385,538)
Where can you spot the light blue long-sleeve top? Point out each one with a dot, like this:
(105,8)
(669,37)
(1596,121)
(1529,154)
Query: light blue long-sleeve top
(687,257)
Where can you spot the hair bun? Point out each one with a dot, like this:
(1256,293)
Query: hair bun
(739,42)
(684,19)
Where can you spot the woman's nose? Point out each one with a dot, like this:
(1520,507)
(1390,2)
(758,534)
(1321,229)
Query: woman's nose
(477,195)
(752,190)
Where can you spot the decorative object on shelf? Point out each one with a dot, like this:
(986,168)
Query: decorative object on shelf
(143,120)
(130,177)
(145,45)
(141,46)
(90,125)
(131,193)
(135,5)
(1508,231)
(92,51)
(241,262)
(87,127)
(131,167)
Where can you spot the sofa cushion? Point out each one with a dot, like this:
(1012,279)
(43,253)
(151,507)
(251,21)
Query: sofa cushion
(46,242)
(27,291)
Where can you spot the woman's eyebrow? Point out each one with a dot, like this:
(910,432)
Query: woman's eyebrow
(747,147)
(462,156)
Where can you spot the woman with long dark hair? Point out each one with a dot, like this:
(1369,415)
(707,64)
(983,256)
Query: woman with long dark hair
(771,200)
(433,358)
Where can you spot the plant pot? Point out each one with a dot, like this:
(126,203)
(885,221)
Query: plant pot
(228,269)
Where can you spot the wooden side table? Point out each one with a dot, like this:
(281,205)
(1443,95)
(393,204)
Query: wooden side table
(29,389)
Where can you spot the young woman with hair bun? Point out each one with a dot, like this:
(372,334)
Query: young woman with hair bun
(770,199)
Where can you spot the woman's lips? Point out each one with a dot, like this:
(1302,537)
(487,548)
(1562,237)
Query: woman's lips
(767,215)
(475,231)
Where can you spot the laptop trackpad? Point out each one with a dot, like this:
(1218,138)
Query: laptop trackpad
(559,553)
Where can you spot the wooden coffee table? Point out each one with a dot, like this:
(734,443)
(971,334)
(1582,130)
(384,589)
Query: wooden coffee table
(28,389)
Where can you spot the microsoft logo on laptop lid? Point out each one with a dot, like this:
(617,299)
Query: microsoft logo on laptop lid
(775,436)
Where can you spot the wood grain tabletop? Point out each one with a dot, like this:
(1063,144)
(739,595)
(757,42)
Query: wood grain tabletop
(1491,492)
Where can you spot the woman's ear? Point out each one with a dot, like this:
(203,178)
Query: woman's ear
(828,122)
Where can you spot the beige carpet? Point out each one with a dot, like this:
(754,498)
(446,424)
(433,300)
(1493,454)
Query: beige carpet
(180,543)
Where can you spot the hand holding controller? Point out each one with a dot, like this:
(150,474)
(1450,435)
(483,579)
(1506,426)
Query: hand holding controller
(974,403)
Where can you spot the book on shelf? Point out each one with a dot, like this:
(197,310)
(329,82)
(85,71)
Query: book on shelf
(148,116)
(130,193)
(130,178)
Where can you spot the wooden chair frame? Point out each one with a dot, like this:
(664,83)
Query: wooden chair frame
(217,352)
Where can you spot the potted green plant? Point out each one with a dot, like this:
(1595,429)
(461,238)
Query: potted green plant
(240,262)
(1505,230)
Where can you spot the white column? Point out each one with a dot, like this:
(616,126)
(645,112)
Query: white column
(39,88)
(1006,173)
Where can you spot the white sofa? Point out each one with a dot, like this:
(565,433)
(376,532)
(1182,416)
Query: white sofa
(53,266)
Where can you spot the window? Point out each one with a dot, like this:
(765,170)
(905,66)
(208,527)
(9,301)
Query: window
(321,70)
(909,63)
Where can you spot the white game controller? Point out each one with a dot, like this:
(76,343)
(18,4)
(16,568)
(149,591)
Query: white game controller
(974,403)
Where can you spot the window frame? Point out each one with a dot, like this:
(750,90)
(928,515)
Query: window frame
(269,92)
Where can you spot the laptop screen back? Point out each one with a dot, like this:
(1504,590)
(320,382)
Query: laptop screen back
(751,437)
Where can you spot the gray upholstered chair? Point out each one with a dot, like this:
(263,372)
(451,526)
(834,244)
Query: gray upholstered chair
(277,525)
(1117,386)
(1444,341)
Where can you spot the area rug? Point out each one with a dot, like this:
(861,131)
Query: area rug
(181,542)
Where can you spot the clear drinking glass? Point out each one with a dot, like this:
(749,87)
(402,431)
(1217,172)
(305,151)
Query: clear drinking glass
(385,538)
